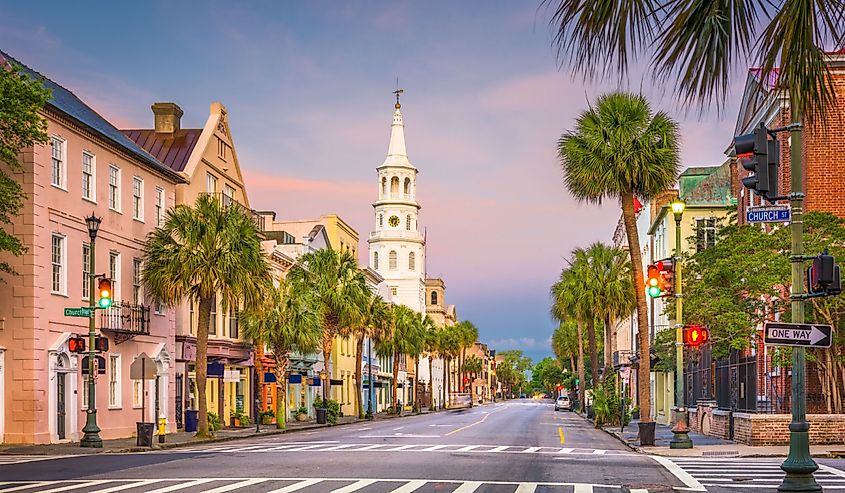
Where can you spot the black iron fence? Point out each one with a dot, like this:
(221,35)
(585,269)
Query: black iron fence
(125,321)
(698,378)
(736,388)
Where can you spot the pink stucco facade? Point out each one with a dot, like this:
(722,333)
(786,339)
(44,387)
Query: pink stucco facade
(41,382)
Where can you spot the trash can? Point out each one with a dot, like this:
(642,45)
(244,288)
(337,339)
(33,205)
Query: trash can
(321,415)
(646,433)
(191,420)
(145,434)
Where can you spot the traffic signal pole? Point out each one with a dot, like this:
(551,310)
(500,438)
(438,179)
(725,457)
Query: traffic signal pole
(799,464)
(92,431)
(680,430)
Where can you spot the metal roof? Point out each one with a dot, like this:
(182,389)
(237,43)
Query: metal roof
(172,149)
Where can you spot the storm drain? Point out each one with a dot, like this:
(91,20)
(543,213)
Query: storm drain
(719,453)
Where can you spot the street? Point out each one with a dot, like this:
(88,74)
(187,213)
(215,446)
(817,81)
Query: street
(518,446)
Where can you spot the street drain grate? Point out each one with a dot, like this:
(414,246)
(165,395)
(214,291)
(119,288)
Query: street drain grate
(719,453)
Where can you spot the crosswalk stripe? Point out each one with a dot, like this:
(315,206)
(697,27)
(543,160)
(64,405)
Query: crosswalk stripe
(357,485)
(72,486)
(467,448)
(526,488)
(338,447)
(435,447)
(307,447)
(130,485)
(409,487)
(583,488)
(467,487)
(530,450)
(180,486)
(565,451)
(402,447)
(296,486)
(22,487)
(234,486)
(499,448)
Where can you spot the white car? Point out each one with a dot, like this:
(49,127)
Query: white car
(563,403)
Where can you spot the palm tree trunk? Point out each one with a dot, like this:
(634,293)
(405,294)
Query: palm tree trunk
(328,339)
(582,382)
(395,380)
(417,384)
(431,382)
(594,355)
(643,378)
(203,322)
(281,390)
(609,343)
(259,371)
(359,370)
(445,381)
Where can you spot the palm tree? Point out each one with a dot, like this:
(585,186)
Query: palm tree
(588,302)
(424,329)
(612,269)
(467,335)
(432,347)
(620,150)
(202,253)
(472,366)
(373,321)
(285,322)
(568,308)
(337,287)
(565,343)
(449,348)
(401,337)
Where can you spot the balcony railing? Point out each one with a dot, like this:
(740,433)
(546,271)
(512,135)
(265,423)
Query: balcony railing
(396,233)
(227,201)
(125,321)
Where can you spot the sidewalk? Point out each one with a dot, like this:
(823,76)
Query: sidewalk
(707,446)
(184,439)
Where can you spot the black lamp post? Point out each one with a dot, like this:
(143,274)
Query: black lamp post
(369,378)
(92,431)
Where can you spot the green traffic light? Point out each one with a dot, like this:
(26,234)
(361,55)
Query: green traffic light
(105,302)
(653,291)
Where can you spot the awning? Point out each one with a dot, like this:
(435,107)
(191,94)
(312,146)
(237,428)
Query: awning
(336,382)
(315,382)
(294,378)
(215,369)
(269,377)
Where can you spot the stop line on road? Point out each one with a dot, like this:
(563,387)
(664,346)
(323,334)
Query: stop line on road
(287,485)
(394,447)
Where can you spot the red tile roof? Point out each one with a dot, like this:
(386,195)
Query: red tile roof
(171,149)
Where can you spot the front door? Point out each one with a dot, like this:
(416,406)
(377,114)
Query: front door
(178,407)
(157,401)
(60,405)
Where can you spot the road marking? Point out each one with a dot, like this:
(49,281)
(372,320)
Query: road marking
(526,488)
(296,486)
(449,426)
(398,428)
(299,449)
(583,488)
(409,487)
(338,447)
(370,447)
(530,450)
(475,423)
(134,484)
(73,486)
(467,448)
(180,486)
(397,449)
(435,447)
(638,490)
(679,473)
(234,486)
(565,451)
(599,452)
(499,448)
(357,485)
(467,487)
(23,487)
(400,435)
(560,432)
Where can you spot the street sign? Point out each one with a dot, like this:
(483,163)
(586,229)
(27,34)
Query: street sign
(82,311)
(143,368)
(769,214)
(809,335)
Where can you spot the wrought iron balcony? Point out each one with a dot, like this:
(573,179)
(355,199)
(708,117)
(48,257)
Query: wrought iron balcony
(125,321)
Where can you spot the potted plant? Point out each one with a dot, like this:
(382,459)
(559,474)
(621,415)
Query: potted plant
(301,414)
(635,412)
(239,419)
(267,417)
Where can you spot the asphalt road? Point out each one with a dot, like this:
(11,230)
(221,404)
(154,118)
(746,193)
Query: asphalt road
(517,447)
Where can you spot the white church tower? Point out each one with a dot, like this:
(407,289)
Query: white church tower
(397,248)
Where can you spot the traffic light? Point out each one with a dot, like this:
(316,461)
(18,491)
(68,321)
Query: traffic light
(104,288)
(652,283)
(762,156)
(667,276)
(101,344)
(696,335)
(823,276)
(76,344)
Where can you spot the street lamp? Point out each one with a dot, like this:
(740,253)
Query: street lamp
(680,431)
(369,378)
(92,431)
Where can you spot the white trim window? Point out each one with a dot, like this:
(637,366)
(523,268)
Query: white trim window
(137,198)
(160,207)
(137,393)
(114,382)
(86,271)
(392,260)
(393,291)
(705,233)
(89,176)
(114,274)
(210,183)
(136,281)
(58,168)
(58,259)
(228,195)
(114,188)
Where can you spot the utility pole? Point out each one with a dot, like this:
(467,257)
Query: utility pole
(799,464)
(92,438)
(680,438)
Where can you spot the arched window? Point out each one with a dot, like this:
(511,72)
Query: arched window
(412,261)
(380,221)
(434,297)
(383,186)
(375,260)
(394,186)
(408,222)
(391,260)
(407,188)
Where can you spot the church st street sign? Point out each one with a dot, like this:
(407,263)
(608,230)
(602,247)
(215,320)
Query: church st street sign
(808,335)
(82,311)
(772,214)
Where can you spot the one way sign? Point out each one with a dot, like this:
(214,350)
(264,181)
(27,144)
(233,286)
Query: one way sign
(808,335)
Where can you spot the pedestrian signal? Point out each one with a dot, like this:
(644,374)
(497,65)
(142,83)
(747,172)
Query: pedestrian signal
(696,335)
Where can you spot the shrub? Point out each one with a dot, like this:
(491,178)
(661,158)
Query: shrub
(242,417)
(607,405)
(333,409)
(213,422)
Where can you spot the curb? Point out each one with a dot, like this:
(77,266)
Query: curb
(614,435)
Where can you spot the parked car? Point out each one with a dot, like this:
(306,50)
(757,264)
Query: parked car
(563,403)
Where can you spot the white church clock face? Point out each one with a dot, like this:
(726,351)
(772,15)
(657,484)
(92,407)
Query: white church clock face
(393,221)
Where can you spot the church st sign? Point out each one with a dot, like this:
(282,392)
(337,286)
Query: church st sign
(808,335)
(772,214)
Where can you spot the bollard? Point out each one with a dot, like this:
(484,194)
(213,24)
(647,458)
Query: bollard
(162,428)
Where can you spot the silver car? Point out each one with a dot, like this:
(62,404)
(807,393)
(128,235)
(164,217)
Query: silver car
(563,403)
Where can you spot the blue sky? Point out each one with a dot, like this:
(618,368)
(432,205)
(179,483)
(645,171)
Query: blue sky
(308,87)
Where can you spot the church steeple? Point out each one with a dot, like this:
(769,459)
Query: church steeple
(397,154)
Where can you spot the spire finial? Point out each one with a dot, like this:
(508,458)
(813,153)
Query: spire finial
(397,92)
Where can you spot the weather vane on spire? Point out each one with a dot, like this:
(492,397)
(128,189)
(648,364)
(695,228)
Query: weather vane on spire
(397,92)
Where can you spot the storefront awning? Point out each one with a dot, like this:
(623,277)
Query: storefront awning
(294,378)
(269,377)
(336,381)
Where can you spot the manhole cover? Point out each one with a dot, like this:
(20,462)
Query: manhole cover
(716,453)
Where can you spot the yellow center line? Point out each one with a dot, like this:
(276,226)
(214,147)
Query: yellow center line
(560,432)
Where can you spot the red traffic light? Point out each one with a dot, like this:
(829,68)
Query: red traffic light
(76,344)
(696,335)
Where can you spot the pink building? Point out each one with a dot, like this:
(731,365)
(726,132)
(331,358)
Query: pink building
(88,165)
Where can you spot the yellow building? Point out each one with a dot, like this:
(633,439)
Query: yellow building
(207,159)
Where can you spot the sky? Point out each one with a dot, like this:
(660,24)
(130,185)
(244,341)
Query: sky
(308,88)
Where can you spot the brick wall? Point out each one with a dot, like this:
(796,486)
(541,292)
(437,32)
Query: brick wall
(773,429)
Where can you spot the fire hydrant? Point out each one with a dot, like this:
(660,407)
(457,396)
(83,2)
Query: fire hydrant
(162,428)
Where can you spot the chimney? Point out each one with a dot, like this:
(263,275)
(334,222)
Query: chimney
(167,117)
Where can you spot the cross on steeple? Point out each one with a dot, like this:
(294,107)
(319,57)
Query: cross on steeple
(397,92)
